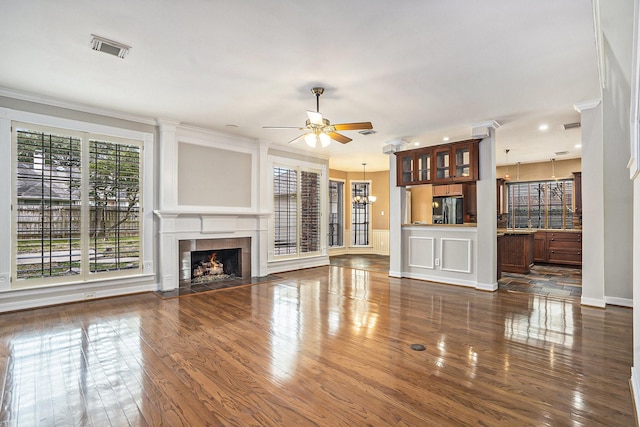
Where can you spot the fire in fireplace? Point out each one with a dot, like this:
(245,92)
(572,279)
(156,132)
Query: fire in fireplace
(211,265)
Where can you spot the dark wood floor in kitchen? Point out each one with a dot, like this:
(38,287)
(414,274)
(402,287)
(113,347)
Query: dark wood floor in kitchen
(549,280)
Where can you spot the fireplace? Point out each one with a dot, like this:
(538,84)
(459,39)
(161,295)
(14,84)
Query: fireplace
(210,260)
(208,266)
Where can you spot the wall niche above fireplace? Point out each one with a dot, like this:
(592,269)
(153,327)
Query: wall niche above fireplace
(206,260)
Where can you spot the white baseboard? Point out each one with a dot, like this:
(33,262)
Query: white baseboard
(624,302)
(635,390)
(296,264)
(487,287)
(593,302)
(440,280)
(33,298)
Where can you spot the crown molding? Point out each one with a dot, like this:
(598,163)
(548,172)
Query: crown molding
(55,102)
(586,105)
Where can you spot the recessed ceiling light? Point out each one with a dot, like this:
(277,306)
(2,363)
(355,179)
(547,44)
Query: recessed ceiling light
(543,126)
(445,139)
(578,146)
(416,143)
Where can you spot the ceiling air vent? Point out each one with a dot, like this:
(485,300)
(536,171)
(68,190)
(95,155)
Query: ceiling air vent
(561,153)
(367,132)
(571,125)
(109,46)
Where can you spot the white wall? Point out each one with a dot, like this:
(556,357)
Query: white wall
(617,30)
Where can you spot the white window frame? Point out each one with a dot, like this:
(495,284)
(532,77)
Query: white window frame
(324,183)
(7,196)
(369,234)
(344,193)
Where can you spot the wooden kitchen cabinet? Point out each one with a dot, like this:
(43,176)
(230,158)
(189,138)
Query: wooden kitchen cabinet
(414,166)
(448,190)
(540,246)
(558,247)
(456,162)
(516,251)
(439,164)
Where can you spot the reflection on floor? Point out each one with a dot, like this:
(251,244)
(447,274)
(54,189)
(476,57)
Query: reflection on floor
(362,262)
(550,280)
(555,281)
(190,289)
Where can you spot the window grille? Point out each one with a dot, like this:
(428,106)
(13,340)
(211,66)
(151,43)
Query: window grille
(336,213)
(297,211)
(360,215)
(114,192)
(285,201)
(540,204)
(309,212)
(64,225)
(48,210)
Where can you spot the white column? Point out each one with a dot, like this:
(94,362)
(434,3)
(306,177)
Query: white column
(397,199)
(593,209)
(5,200)
(487,250)
(168,252)
(168,171)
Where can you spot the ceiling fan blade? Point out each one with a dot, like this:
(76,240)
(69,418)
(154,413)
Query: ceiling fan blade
(315,118)
(340,138)
(296,138)
(353,126)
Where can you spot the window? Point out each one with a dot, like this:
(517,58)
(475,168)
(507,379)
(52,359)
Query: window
(336,213)
(297,213)
(540,204)
(360,215)
(77,205)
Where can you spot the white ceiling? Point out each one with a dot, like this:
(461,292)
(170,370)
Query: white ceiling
(419,70)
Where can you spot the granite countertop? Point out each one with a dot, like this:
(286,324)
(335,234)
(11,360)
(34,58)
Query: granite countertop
(533,230)
(469,224)
(512,231)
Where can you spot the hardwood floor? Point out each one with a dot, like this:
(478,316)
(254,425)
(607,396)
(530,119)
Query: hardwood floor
(326,346)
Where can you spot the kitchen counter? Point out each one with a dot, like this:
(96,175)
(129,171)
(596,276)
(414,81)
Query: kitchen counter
(533,230)
(516,250)
(515,231)
(469,224)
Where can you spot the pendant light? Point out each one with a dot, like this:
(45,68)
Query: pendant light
(364,200)
(506,175)
(553,168)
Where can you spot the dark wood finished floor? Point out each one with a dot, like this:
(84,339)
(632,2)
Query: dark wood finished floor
(326,346)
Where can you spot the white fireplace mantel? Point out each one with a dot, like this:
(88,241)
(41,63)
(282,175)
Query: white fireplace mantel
(176,225)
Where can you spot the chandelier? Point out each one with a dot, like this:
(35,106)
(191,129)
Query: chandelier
(363,199)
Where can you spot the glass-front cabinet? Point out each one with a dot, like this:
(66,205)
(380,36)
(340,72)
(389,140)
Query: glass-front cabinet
(438,164)
(456,162)
(405,162)
(424,166)
(414,167)
(463,161)
(443,165)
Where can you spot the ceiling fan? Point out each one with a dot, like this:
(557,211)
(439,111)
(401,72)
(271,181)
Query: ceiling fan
(317,128)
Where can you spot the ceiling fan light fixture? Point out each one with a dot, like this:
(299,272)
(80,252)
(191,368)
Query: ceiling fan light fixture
(311,139)
(325,140)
